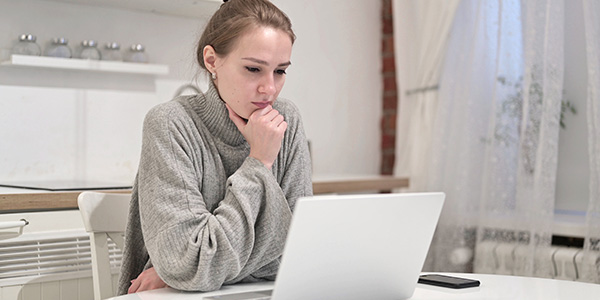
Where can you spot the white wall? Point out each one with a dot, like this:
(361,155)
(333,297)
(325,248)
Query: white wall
(78,125)
(335,79)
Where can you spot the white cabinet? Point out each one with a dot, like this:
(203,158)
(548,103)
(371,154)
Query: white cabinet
(67,119)
(195,9)
(167,28)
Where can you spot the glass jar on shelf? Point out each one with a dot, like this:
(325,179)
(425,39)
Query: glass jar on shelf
(136,54)
(27,46)
(112,51)
(89,50)
(59,48)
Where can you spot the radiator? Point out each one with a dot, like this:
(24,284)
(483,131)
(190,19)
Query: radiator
(563,263)
(56,265)
(52,265)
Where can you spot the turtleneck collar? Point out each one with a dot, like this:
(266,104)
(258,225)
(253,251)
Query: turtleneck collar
(211,109)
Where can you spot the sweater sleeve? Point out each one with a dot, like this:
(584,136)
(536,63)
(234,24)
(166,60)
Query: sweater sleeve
(293,169)
(190,247)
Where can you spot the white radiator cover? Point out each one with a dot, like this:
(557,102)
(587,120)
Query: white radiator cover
(52,265)
(504,258)
(56,265)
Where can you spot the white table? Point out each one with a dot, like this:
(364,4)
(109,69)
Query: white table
(497,287)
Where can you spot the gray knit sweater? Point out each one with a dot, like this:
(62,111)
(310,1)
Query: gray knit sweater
(202,212)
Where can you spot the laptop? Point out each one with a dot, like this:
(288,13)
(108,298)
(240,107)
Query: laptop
(367,246)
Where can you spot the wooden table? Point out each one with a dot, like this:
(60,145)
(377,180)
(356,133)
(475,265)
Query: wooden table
(358,184)
(26,200)
(42,201)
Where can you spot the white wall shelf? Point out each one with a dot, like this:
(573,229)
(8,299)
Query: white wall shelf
(85,65)
(184,8)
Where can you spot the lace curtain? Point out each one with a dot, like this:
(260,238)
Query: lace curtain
(493,134)
(420,34)
(591,11)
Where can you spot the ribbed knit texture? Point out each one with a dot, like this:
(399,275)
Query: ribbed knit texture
(202,212)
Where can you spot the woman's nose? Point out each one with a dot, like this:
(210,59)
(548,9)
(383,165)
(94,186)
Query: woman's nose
(267,86)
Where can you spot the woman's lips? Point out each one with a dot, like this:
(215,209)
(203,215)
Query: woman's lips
(262,104)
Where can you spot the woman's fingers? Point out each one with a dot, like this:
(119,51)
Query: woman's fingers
(147,280)
(269,117)
(135,284)
(264,132)
(278,120)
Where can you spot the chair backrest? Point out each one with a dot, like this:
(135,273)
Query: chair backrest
(104,215)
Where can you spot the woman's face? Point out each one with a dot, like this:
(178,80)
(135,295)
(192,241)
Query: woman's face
(251,76)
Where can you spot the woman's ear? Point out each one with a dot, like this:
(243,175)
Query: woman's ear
(210,58)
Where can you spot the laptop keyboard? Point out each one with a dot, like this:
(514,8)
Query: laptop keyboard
(256,295)
(261,298)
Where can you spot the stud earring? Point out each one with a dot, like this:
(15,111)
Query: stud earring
(213,76)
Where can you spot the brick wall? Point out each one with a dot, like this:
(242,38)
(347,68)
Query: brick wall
(390,100)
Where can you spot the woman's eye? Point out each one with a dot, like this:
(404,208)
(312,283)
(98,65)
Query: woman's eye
(281,72)
(252,69)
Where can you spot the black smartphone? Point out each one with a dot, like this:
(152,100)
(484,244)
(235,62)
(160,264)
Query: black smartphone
(448,281)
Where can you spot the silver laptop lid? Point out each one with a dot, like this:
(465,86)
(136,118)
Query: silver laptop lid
(357,246)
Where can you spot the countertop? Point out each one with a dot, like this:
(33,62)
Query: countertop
(27,200)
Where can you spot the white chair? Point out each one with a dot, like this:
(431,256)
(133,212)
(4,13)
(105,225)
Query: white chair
(104,215)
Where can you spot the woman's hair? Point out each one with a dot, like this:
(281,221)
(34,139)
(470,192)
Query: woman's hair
(236,17)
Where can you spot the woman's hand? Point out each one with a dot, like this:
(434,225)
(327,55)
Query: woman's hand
(147,280)
(264,132)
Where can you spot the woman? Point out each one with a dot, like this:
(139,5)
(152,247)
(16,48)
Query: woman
(220,172)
